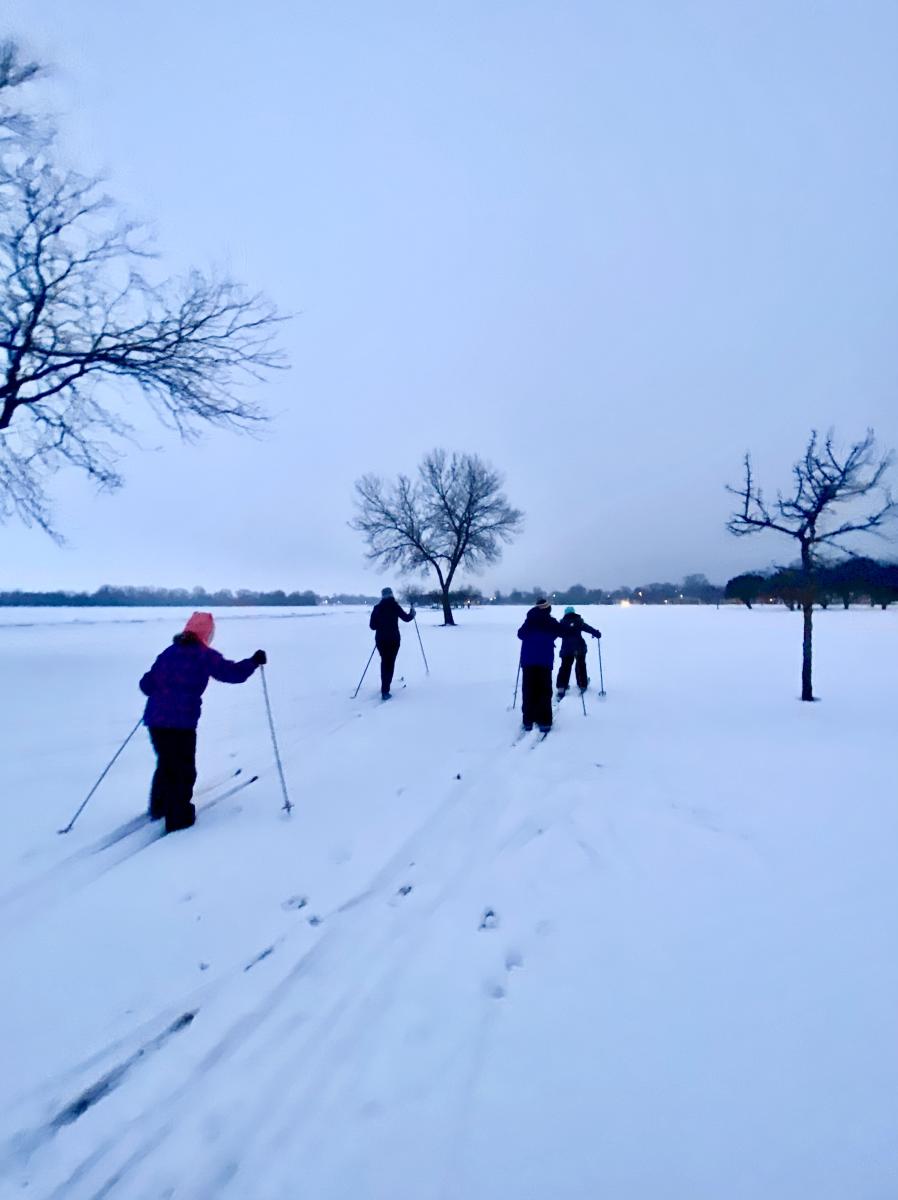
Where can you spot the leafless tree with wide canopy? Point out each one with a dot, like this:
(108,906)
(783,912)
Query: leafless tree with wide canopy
(454,515)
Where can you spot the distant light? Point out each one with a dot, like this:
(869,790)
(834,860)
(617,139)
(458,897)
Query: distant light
(624,603)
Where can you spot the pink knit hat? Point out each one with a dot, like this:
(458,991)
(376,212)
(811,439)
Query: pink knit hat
(202,626)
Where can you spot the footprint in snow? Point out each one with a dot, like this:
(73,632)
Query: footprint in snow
(492,987)
(294,902)
(489,920)
(513,959)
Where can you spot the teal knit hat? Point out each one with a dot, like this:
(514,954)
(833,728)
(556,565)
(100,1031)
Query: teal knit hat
(569,609)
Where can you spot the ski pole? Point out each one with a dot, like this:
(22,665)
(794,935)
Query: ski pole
(583,700)
(421,644)
(514,702)
(601,672)
(287,806)
(83,803)
(364,673)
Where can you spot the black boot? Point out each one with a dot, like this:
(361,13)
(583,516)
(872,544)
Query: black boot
(180,818)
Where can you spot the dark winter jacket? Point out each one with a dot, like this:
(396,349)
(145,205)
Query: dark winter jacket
(573,627)
(385,618)
(177,679)
(538,634)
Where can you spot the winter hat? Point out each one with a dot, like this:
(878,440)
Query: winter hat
(542,602)
(569,609)
(202,626)
(385,592)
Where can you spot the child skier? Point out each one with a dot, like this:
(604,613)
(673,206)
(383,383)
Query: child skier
(538,634)
(175,684)
(573,649)
(385,618)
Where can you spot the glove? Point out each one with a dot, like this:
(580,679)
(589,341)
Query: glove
(411,612)
(260,658)
(597,636)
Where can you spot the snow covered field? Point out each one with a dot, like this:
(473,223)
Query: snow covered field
(653,957)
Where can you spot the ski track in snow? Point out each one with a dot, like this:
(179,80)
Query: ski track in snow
(465,817)
(25,903)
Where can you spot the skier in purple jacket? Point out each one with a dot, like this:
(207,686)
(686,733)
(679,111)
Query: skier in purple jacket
(174,686)
(538,635)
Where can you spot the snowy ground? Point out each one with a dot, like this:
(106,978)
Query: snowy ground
(687,988)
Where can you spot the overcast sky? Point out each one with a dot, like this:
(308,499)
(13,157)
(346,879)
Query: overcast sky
(607,246)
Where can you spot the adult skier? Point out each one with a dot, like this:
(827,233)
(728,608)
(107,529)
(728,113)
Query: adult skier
(538,634)
(573,650)
(385,618)
(175,684)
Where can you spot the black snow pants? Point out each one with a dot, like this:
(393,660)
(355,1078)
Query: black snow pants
(171,794)
(536,689)
(387,648)
(564,671)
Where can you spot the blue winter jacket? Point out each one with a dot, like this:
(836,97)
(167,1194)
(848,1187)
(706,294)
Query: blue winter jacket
(177,679)
(538,634)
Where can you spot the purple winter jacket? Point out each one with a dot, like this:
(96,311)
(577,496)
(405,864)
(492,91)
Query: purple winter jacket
(177,679)
(538,634)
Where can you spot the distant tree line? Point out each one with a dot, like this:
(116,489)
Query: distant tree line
(695,589)
(151,597)
(854,581)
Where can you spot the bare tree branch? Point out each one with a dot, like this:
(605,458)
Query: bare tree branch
(15,123)
(80,321)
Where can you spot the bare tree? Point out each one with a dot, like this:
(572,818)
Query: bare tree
(453,515)
(823,480)
(82,329)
